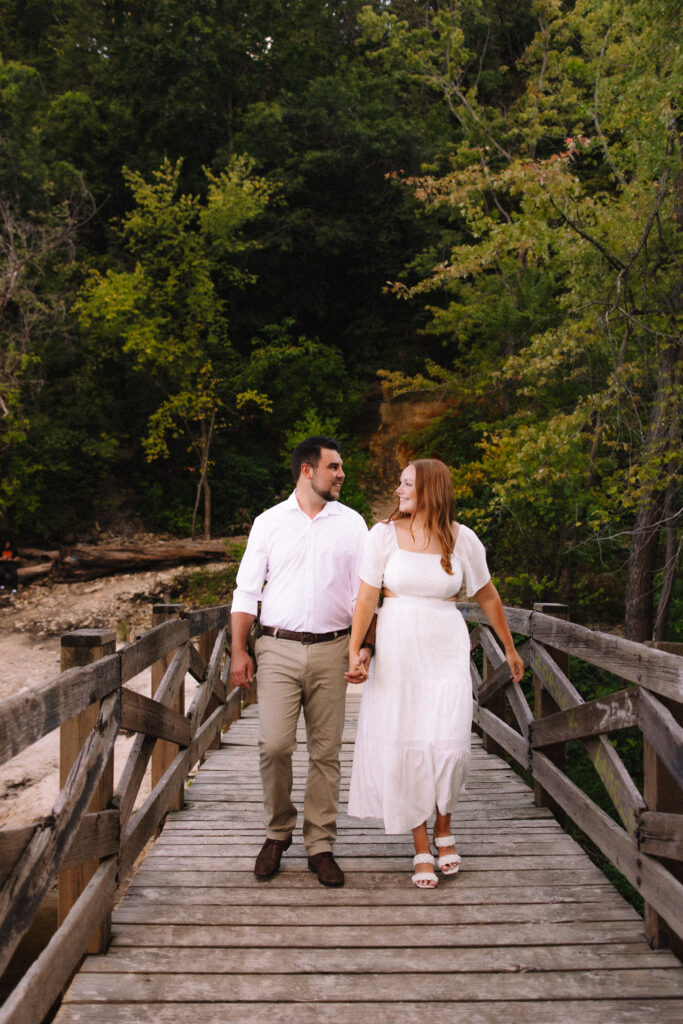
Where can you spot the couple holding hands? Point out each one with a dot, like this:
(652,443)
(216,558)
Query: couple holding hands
(409,644)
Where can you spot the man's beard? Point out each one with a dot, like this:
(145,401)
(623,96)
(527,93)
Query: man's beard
(325,495)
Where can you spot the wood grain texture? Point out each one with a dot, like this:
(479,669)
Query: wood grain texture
(27,716)
(529,931)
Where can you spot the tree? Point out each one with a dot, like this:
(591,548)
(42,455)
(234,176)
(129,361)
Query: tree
(43,205)
(562,256)
(166,310)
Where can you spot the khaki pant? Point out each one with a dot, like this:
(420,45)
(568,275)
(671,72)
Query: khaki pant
(292,675)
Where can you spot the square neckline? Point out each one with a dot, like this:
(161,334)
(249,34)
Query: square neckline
(433,554)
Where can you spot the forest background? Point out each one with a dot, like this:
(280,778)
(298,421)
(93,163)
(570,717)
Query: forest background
(224,226)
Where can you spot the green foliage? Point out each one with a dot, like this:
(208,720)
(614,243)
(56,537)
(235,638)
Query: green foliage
(203,587)
(167,310)
(554,290)
(355,461)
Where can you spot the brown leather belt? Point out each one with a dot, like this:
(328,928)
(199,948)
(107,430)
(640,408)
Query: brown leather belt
(304,638)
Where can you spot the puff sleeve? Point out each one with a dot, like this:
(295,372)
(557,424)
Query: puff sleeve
(472,554)
(375,553)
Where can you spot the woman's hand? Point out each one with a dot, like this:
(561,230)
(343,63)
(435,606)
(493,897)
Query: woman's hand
(359,664)
(516,665)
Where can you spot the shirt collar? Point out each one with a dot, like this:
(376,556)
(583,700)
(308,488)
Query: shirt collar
(330,508)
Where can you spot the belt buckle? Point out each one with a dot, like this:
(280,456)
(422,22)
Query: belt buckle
(308,638)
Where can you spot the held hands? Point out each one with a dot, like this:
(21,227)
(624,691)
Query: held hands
(241,669)
(358,666)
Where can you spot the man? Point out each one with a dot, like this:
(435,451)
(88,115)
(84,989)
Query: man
(308,550)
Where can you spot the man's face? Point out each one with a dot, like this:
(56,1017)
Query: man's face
(328,475)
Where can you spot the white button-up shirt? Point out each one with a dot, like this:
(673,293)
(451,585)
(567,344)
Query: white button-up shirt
(310,567)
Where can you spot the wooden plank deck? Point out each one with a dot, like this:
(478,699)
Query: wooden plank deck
(529,931)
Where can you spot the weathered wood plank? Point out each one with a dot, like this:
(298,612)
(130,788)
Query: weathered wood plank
(450,936)
(553,1011)
(361,916)
(541,1012)
(140,753)
(227,961)
(27,716)
(662,730)
(623,792)
(152,646)
(197,665)
(142,826)
(402,895)
(148,716)
(604,714)
(31,877)
(330,988)
(501,675)
(655,670)
(202,620)
(661,834)
(31,999)
(97,836)
(657,885)
(211,685)
(503,734)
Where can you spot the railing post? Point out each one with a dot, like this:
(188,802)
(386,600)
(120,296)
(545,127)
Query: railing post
(165,752)
(82,647)
(661,792)
(545,705)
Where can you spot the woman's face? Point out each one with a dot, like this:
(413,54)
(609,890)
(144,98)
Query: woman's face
(405,492)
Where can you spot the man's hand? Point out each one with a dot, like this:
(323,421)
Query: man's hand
(241,669)
(358,667)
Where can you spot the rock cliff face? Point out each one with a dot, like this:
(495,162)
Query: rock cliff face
(389,450)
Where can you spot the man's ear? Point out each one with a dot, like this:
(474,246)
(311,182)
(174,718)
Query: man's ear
(306,470)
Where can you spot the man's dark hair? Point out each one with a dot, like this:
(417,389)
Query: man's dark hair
(308,452)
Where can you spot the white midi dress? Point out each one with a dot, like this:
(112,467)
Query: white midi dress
(413,744)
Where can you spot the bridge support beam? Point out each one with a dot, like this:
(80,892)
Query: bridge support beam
(661,792)
(82,647)
(165,752)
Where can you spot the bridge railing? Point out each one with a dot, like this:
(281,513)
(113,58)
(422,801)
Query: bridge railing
(94,835)
(646,843)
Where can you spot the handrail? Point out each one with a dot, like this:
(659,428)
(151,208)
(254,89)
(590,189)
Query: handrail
(33,855)
(647,847)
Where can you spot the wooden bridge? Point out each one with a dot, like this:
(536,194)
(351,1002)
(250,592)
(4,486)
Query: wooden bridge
(530,930)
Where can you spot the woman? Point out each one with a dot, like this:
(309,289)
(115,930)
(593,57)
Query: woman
(413,744)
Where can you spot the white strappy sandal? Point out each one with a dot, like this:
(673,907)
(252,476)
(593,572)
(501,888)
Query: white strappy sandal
(424,879)
(449,863)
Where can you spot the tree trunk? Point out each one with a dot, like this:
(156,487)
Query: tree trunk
(207,508)
(642,563)
(672,550)
(203,487)
(662,440)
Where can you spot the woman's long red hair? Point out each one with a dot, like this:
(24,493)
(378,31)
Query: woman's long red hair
(434,499)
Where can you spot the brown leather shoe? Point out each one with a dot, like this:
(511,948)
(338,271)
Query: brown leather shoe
(326,868)
(268,861)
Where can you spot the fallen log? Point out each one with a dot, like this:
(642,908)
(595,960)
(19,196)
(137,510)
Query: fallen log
(88,561)
(28,573)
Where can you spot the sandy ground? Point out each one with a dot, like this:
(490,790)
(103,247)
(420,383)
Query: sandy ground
(32,623)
